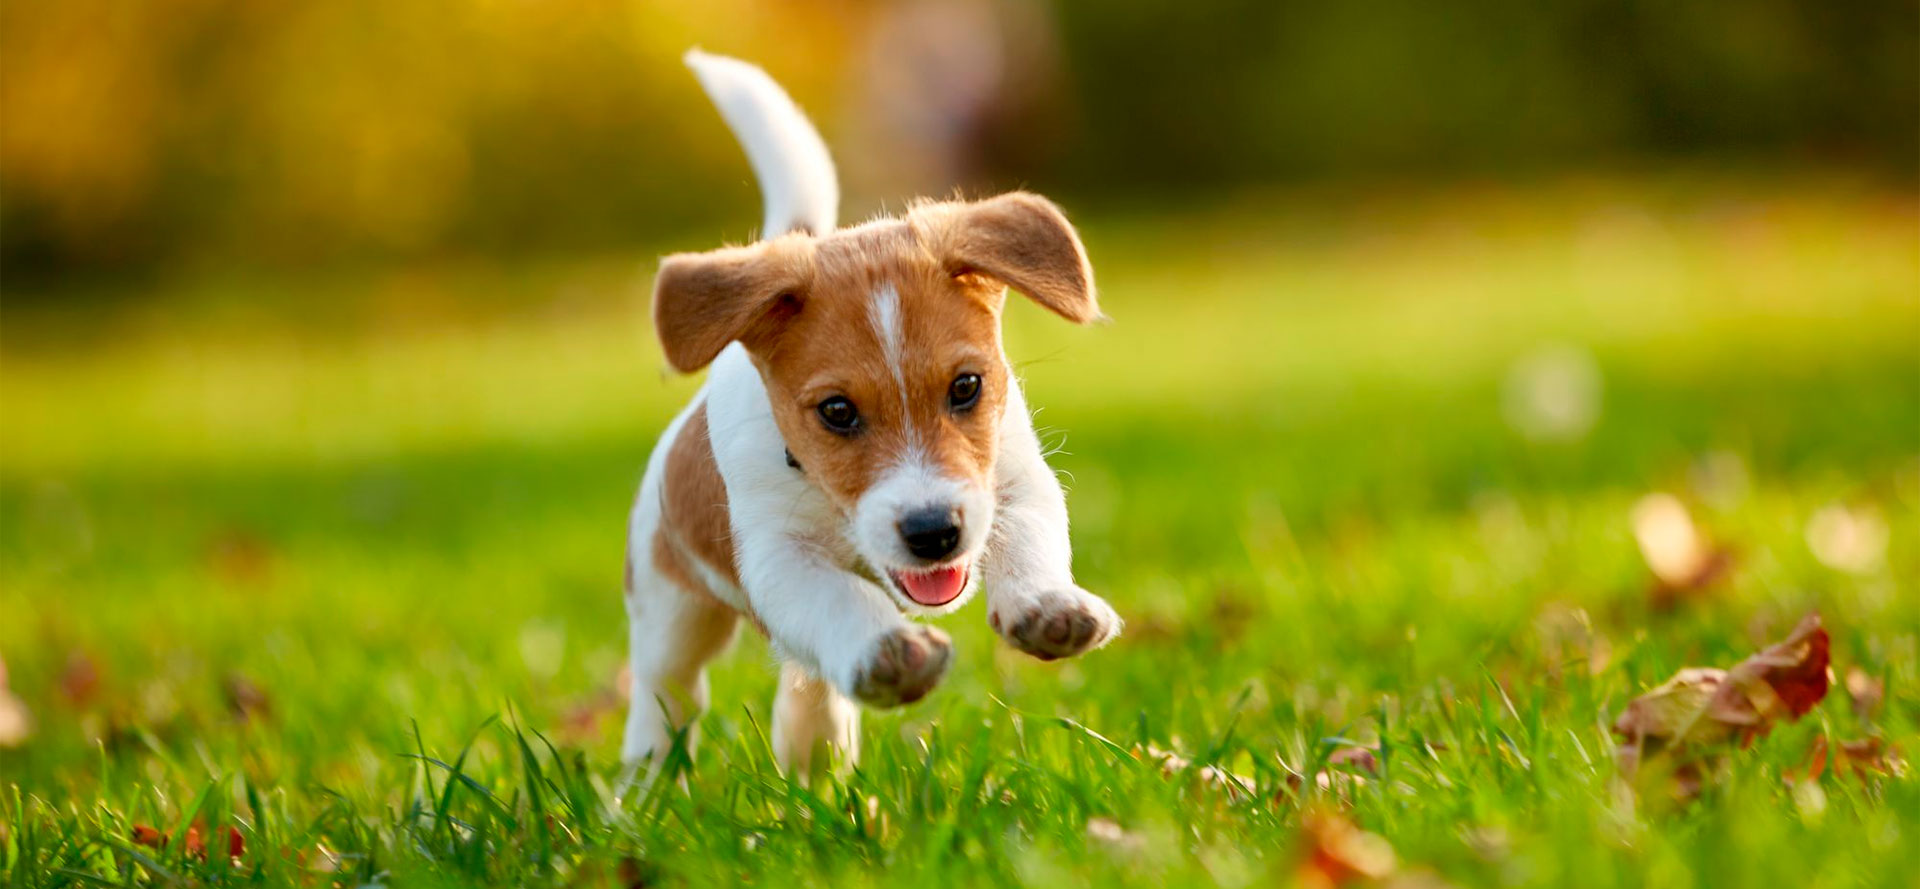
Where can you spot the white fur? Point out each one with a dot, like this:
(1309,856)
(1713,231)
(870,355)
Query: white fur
(1030,555)
(797,180)
(807,572)
(913,484)
(884,312)
(808,714)
(671,635)
(793,555)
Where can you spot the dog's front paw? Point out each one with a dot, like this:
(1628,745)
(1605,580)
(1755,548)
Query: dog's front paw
(903,666)
(1056,623)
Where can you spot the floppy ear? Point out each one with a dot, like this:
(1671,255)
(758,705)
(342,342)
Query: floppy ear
(1025,242)
(703,301)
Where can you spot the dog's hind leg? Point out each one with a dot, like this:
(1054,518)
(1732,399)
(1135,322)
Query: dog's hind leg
(673,632)
(811,719)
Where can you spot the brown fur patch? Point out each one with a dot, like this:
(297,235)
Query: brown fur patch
(805,309)
(694,522)
(832,346)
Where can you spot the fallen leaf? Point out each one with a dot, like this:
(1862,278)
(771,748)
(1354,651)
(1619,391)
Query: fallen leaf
(1702,706)
(1859,758)
(1683,561)
(1337,853)
(144,835)
(1796,670)
(1868,756)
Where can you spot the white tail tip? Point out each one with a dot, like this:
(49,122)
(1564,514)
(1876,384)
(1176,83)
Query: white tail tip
(790,160)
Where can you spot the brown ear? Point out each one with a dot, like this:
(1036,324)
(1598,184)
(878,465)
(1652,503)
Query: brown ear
(1023,241)
(703,301)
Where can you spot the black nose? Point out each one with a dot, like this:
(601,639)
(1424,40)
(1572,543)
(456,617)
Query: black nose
(931,533)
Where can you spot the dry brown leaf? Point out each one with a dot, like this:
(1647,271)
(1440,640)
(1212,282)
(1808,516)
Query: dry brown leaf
(1868,756)
(1860,758)
(1683,561)
(1702,706)
(1337,853)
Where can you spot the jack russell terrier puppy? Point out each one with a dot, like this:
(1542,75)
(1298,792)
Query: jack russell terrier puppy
(860,453)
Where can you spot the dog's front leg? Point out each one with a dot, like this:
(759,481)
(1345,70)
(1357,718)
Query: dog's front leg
(1032,600)
(838,626)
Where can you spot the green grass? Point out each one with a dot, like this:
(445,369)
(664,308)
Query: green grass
(392,502)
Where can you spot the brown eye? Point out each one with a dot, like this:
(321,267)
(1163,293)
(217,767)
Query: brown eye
(964,391)
(839,414)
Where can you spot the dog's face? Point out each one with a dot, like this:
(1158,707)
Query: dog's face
(880,349)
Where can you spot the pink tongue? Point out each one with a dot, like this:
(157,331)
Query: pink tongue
(936,587)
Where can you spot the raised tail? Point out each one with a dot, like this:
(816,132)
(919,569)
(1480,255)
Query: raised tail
(797,180)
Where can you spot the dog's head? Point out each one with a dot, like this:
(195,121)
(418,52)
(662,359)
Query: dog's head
(880,349)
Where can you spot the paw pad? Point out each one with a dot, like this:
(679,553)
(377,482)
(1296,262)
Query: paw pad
(1058,624)
(903,666)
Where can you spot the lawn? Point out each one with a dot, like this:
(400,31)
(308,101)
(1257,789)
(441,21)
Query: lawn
(333,561)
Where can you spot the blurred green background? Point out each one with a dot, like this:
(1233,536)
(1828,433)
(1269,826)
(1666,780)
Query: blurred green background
(216,132)
(326,381)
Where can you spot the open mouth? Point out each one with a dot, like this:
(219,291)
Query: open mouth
(934,587)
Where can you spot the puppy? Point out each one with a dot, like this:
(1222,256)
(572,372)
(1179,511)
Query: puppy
(860,454)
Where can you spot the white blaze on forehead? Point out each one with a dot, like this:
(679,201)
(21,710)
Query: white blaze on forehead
(884,312)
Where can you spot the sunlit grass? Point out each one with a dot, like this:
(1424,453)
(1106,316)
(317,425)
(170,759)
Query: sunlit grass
(397,513)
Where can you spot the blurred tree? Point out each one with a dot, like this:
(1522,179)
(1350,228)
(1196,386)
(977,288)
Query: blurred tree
(181,131)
